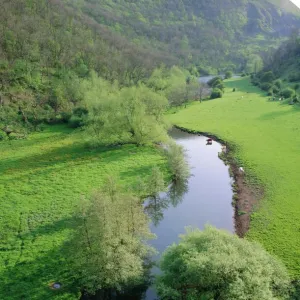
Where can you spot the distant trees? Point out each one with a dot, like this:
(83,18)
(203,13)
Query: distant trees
(214,264)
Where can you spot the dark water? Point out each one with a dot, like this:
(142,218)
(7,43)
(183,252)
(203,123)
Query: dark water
(207,199)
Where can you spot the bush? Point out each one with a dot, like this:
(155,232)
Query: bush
(215,81)
(294,77)
(266,86)
(278,83)
(216,93)
(213,264)
(276,90)
(75,122)
(267,77)
(228,74)
(177,162)
(288,93)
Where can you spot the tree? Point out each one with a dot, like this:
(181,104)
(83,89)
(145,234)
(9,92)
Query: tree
(228,74)
(177,162)
(216,93)
(108,249)
(213,264)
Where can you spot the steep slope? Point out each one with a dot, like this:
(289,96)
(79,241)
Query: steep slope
(202,32)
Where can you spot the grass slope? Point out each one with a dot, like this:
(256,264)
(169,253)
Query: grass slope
(41,181)
(267,135)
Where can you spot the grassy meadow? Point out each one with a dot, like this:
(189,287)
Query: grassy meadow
(267,139)
(41,182)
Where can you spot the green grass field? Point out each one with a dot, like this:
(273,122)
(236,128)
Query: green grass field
(41,182)
(267,136)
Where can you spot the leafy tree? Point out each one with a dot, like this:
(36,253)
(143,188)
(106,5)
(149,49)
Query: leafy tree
(267,77)
(288,93)
(216,93)
(228,74)
(214,264)
(177,162)
(108,249)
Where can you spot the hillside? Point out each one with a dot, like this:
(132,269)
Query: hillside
(199,32)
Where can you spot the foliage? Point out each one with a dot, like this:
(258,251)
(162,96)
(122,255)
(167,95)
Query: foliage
(288,93)
(214,264)
(255,125)
(266,86)
(177,163)
(267,77)
(44,177)
(228,74)
(108,249)
(216,93)
(126,115)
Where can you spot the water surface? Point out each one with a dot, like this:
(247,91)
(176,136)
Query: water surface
(207,199)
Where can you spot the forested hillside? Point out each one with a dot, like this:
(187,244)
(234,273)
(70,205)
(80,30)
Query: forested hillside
(206,33)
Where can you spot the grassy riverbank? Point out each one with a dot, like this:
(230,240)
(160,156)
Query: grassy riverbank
(42,180)
(267,139)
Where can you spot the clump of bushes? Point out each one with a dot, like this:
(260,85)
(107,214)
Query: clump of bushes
(288,93)
(218,87)
(228,75)
(216,93)
(78,117)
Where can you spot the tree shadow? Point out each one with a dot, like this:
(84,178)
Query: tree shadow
(276,114)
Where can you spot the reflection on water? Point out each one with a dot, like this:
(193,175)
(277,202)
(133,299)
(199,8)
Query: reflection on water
(155,206)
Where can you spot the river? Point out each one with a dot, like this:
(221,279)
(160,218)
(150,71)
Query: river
(205,199)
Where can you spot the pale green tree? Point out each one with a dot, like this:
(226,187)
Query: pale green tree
(109,249)
(214,264)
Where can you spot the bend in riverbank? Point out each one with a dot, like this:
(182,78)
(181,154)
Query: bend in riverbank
(246,196)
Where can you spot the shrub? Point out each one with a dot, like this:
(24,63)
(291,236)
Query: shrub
(294,77)
(75,122)
(288,93)
(278,83)
(267,77)
(216,93)
(214,81)
(177,163)
(228,74)
(266,86)
(213,264)
(276,90)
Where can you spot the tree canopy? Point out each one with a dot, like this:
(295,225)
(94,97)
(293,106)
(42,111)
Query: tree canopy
(213,264)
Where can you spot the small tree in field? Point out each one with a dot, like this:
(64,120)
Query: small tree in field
(213,264)
(228,75)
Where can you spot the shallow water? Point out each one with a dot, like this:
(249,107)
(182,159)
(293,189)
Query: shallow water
(207,199)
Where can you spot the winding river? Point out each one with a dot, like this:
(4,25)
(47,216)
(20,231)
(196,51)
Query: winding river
(204,199)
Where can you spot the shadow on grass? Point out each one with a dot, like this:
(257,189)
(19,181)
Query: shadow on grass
(32,279)
(276,114)
(58,158)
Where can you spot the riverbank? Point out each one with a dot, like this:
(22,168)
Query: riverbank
(245,195)
(266,142)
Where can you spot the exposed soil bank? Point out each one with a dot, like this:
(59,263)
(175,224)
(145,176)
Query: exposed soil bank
(245,196)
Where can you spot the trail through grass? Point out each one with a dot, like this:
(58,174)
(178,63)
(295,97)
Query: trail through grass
(267,136)
(41,182)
